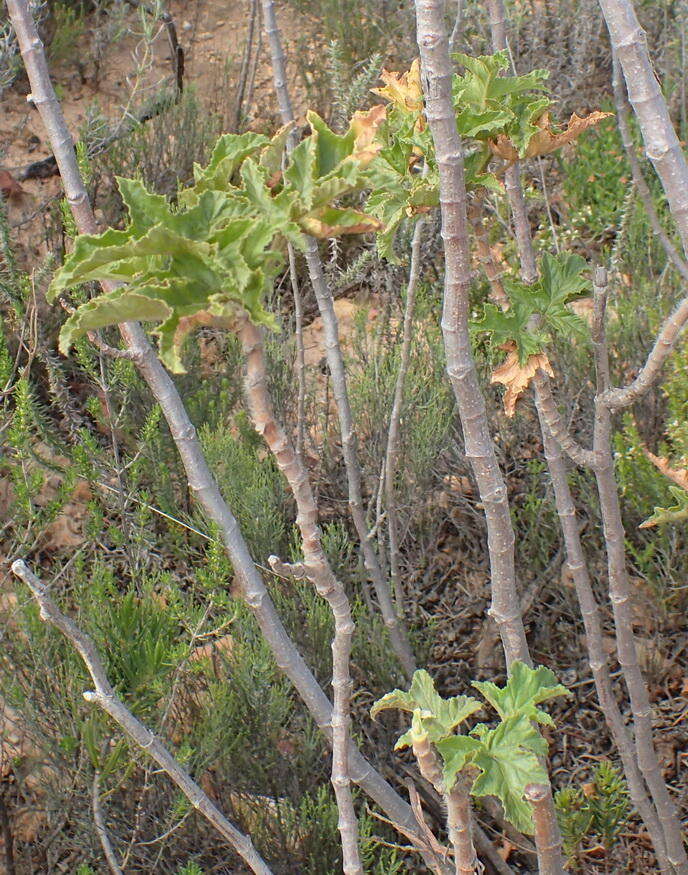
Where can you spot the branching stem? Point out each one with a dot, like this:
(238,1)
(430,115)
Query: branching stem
(318,570)
(461,367)
(335,363)
(101,829)
(201,482)
(105,697)
(620,597)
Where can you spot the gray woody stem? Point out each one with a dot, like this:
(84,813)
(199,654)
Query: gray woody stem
(461,368)
(104,696)
(201,481)
(578,569)
(551,418)
(668,337)
(458,805)
(620,597)
(547,836)
(555,437)
(319,572)
(300,353)
(394,430)
(278,61)
(662,146)
(335,363)
(459,823)
(664,150)
(643,189)
(101,829)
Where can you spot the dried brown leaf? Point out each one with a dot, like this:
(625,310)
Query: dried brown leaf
(403,89)
(220,646)
(365,126)
(545,140)
(9,186)
(516,377)
(318,227)
(678,475)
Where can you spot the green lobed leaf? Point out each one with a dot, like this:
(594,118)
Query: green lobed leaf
(562,277)
(91,252)
(330,148)
(300,174)
(271,155)
(508,761)
(562,280)
(527,112)
(456,751)
(439,716)
(490,105)
(146,209)
(511,326)
(677,513)
(227,156)
(110,308)
(484,123)
(346,178)
(279,210)
(525,689)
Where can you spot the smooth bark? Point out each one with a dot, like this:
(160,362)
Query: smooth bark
(335,362)
(101,829)
(662,145)
(547,837)
(480,452)
(459,823)
(391,459)
(457,802)
(300,353)
(663,148)
(555,438)
(577,565)
(641,186)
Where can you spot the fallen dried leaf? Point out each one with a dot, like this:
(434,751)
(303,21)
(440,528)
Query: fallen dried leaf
(9,186)
(222,645)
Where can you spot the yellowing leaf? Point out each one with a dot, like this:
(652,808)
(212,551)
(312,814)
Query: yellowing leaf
(545,140)
(333,222)
(678,475)
(365,125)
(517,377)
(403,89)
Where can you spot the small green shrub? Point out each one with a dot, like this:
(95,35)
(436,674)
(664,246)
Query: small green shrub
(597,812)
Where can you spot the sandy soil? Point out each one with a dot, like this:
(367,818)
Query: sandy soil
(213,35)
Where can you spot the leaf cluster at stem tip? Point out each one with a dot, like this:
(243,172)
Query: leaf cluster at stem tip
(210,257)
(503,759)
(562,280)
